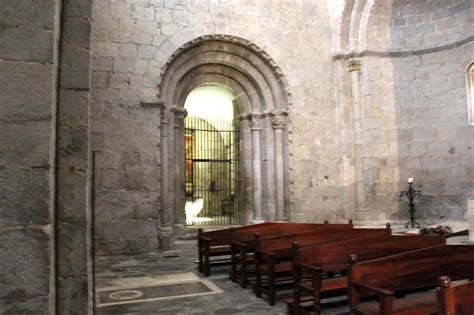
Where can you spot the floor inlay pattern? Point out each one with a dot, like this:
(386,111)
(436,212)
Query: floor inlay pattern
(149,293)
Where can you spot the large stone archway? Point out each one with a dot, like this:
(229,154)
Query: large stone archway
(263,100)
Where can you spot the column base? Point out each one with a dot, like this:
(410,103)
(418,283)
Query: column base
(178,229)
(257,221)
(165,238)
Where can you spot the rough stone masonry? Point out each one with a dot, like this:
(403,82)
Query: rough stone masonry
(366,94)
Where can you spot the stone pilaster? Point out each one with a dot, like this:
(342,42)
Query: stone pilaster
(178,179)
(256,129)
(278,124)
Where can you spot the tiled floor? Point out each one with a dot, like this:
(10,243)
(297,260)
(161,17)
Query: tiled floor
(178,266)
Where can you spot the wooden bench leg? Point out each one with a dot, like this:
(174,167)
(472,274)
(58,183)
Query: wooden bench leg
(271,290)
(206,265)
(200,257)
(243,272)
(258,283)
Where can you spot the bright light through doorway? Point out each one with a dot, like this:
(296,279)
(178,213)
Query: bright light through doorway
(210,102)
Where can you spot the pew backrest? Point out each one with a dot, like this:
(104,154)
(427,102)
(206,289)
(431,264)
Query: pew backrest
(366,248)
(418,268)
(224,236)
(282,245)
(281,230)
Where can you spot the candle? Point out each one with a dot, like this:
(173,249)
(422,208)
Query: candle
(410,180)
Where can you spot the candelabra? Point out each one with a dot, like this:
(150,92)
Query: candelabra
(411,194)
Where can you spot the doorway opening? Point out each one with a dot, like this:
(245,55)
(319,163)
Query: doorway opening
(211,146)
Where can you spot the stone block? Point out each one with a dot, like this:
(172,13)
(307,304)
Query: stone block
(126,230)
(99,79)
(27,44)
(72,249)
(134,179)
(73,146)
(416,149)
(141,38)
(25,271)
(458,7)
(102,63)
(143,12)
(175,4)
(128,50)
(26,91)
(147,52)
(26,143)
(470,214)
(33,13)
(77,32)
(423,134)
(110,179)
(75,68)
(82,9)
(24,197)
(121,10)
(74,109)
(74,295)
(73,196)
(124,65)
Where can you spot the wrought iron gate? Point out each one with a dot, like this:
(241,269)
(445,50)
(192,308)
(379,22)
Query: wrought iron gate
(211,172)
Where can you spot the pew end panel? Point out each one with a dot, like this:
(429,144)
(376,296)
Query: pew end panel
(454,299)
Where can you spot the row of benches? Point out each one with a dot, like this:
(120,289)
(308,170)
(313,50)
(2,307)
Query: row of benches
(313,260)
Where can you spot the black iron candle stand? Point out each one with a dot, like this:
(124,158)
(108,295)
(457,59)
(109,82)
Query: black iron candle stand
(411,194)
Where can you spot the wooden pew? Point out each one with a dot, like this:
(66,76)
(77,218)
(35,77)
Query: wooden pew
(244,243)
(417,269)
(454,300)
(274,255)
(217,243)
(320,260)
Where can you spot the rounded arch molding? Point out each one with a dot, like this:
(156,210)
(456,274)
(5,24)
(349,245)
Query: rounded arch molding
(263,99)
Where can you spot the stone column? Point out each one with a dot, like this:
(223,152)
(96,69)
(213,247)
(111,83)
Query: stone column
(178,179)
(358,134)
(278,124)
(470,213)
(165,234)
(245,167)
(256,129)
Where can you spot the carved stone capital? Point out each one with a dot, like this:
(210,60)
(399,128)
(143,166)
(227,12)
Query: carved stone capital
(353,65)
(255,122)
(165,116)
(279,120)
(179,113)
(245,116)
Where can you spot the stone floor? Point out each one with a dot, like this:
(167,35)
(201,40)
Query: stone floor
(144,270)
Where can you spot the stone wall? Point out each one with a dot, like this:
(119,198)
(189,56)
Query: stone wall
(44,125)
(337,163)
(133,41)
(413,58)
(28,67)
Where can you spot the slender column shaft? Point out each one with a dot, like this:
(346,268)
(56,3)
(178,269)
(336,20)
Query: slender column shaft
(178,161)
(278,124)
(256,130)
(358,134)
(166,209)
